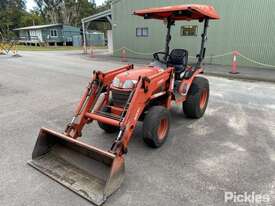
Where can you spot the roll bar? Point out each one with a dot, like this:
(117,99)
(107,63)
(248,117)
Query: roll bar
(201,55)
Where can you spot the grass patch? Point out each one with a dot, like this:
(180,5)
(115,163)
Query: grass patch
(52,48)
(49,48)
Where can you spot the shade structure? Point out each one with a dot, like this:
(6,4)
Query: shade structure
(180,12)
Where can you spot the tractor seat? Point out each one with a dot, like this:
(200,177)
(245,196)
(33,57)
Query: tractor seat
(178,59)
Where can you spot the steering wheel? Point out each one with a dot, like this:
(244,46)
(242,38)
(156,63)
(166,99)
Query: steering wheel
(156,57)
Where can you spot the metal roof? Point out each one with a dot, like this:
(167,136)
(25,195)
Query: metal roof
(38,27)
(104,14)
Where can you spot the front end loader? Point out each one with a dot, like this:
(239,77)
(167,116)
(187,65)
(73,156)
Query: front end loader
(117,100)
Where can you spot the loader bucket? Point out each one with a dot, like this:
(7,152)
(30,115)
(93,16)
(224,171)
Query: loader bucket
(90,172)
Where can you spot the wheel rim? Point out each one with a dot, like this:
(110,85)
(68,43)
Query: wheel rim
(203,98)
(163,128)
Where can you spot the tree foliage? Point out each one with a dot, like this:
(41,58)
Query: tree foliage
(65,11)
(31,18)
(13,13)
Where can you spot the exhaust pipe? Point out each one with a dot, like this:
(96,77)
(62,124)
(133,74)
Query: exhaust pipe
(88,171)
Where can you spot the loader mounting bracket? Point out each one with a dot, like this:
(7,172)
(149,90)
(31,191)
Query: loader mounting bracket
(145,83)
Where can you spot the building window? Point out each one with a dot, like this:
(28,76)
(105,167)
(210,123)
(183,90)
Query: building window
(142,32)
(191,30)
(53,33)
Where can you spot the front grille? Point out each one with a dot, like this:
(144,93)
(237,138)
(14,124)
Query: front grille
(119,98)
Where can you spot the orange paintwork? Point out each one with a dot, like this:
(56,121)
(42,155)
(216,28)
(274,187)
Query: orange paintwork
(88,99)
(140,101)
(180,12)
(136,73)
(116,110)
(163,128)
(149,80)
(203,98)
(99,118)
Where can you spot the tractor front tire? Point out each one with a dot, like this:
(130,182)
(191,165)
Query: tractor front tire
(156,126)
(106,127)
(197,98)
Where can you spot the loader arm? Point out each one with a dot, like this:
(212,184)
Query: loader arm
(85,169)
(142,95)
(98,82)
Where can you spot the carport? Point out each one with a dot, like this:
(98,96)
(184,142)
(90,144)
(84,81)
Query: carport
(99,17)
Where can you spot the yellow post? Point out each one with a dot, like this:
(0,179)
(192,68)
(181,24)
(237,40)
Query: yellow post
(14,50)
(15,53)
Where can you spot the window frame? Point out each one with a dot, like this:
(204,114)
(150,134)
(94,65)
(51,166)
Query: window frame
(142,32)
(190,27)
(52,31)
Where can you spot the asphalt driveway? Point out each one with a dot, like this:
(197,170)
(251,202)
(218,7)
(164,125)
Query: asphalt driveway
(231,149)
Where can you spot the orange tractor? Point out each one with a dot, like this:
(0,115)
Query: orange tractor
(117,100)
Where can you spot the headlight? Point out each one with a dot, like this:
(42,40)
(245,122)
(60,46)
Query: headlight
(116,82)
(129,84)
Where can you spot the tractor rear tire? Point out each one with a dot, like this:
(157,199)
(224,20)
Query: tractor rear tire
(156,126)
(197,98)
(106,127)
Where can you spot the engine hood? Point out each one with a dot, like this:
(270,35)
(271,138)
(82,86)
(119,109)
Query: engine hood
(133,75)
